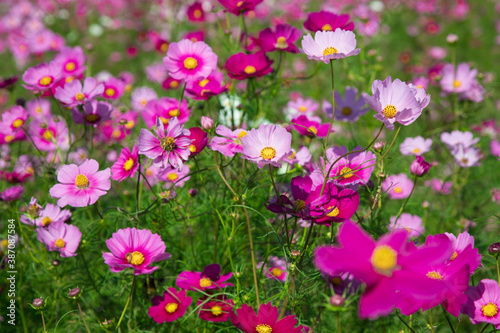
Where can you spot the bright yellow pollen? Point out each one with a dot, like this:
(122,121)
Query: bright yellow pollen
(116,133)
(173,113)
(110,92)
(190,63)
(171,307)
(416,150)
(70,66)
(457,84)
(192,148)
(384,259)
(281,43)
(135,258)
(242,134)
(390,111)
(264,328)
(167,143)
(216,310)
(164,120)
(197,13)
(454,255)
(174,84)
(130,124)
(164,47)
(268,153)
(346,172)
(144,102)
(48,135)
(81,181)
(489,310)
(45,81)
(46,221)
(330,50)
(172,176)
(291,157)
(203,83)
(60,243)
(302,108)
(79,97)
(276,272)
(326,27)
(398,189)
(346,111)
(205,282)
(434,275)
(92,118)
(239,3)
(334,212)
(17,123)
(128,164)
(249,70)
(313,130)
(9,138)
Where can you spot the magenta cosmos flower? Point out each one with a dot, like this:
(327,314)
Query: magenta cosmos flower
(134,248)
(352,169)
(267,145)
(71,62)
(394,102)
(327,21)
(169,147)
(210,278)
(165,108)
(114,88)
(311,127)
(94,113)
(349,108)
(398,186)
(229,142)
(190,61)
(419,167)
(408,222)
(12,193)
(484,303)
(216,309)
(170,307)
(81,185)
(266,320)
(386,266)
(236,7)
(212,85)
(294,204)
(330,45)
(50,214)
(336,204)
(73,93)
(49,134)
(41,77)
(241,66)
(415,146)
(281,39)
(126,165)
(60,237)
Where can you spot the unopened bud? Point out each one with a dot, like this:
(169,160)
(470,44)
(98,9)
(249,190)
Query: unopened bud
(207,123)
(38,303)
(295,253)
(419,167)
(494,249)
(193,192)
(75,293)
(451,39)
(378,146)
(337,300)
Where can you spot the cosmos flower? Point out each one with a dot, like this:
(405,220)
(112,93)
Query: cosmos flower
(12,193)
(216,309)
(415,146)
(114,88)
(408,222)
(195,13)
(165,108)
(484,303)
(49,133)
(461,244)
(209,279)
(212,85)
(281,39)
(241,66)
(50,214)
(60,237)
(94,113)
(237,7)
(170,307)
(352,169)
(141,96)
(126,165)
(438,186)
(326,21)
(458,138)
(330,45)
(336,204)
(311,127)
(81,185)
(266,320)
(41,77)
(397,186)
(349,108)
(275,269)
(199,140)
(73,93)
(173,176)
(419,166)
(71,62)
(301,106)
(134,248)
(458,80)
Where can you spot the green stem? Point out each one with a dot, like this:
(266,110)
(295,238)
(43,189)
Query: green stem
(339,327)
(81,315)
(126,304)
(43,321)
(253,257)
(498,272)
(401,319)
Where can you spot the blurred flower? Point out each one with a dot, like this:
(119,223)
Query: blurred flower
(216,309)
(41,77)
(174,176)
(237,7)
(11,193)
(398,186)
(330,45)
(408,222)
(459,80)
(113,88)
(229,142)
(170,307)
(195,12)
(349,108)
(94,113)
(165,109)
(60,237)
(50,214)
(415,146)
(282,39)
(70,62)
(327,21)
(311,127)
(419,166)
(73,93)
(141,96)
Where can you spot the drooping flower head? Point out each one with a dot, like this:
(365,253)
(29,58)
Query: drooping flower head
(170,307)
(281,39)
(60,237)
(330,45)
(126,165)
(134,248)
(241,66)
(266,320)
(327,21)
(209,279)
(397,186)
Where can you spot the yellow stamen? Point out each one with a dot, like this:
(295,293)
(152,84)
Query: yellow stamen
(116,134)
(174,84)
(203,83)
(81,181)
(434,275)
(390,111)
(79,97)
(167,143)
(302,108)
(205,282)
(416,150)
(38,109)
(268,153)
(69,79)
(281,43)
(45,81)
(172,176)
(128,164)
(326,27)
(454,255)
(242,134)
(130,124)
(489,310)
(110,92)
(249,70)
(329,51)
(173,113)
(70,66)
(164,120)
(334,212)
(135,258)
(17,123)
(190,63)
(192,148)
(92,118)
(197,14)
(346,111)
(264,328)
(46,221)
(346,172)
(313,130)
(276,272)
(9,138)
(60,243)
(164,47)
(48,135)
(384,259)
(216,310)
(398,189)
(171,307)
(457,84)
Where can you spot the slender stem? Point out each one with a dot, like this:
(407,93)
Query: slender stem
(81,315)
(281,203)
(498,272)
(339,327)
(393,140)
(430,320)
(137,192)
(126,304)
(406,201)
(182,95)
(43,321)
(447,319)
(253,257)
(97,211)
(222,176)
(333,106)
(409,328)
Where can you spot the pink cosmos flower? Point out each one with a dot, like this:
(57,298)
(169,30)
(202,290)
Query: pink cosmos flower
(41,77)
(172,176)
(199,140)
(82,185)
(397,186)
(12,193)
(113,88)
(281,39)
(268,144)
(50,214)
(71,62)
(60,237)
(495,148)
(241,66)
(310,127)
(352,169)
(165,108)
(94,113)
(50,134)
(415,146)
(467,157)
(438,186)
(170,307)
(457,138)
(78,156)
(209,279)
(349,108)
(457,81)
(170,83)
(335,205)
(195,12)
(301,157)
(394,101)
(212,85)
(266,319)
(230,142)
(190,61)
(330,45)
(327,21)
(294,204)
(460,245)
(156,72)
(32,212)
(134,248)
(216,309)
(484,303)
(275,269)
(126,165)
(12,123)
(169,147)
(301,106)
(237,7)
(73,93)
(38,107)
(408,222)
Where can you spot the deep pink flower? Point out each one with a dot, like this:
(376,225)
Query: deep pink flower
(282,39)
(352,169)
(165,108)
(199,140)
(419,166)
(241,66)
(94,113)
(229,142)
(336,204)
(310,127)
(71,62)
(12,193)
(195,36)
(268,144)
(216,309)
(190,61)
(126,165)
(266,320)
(41,77)
(209,279)
(274,269)
(295,204)
(113,88)
(49,133)
(134,248)
(60,237)
(237,7)
(327,21)
(483,305)
(12,124)
(212,85)
(82,185)
(171,83)
(398,186)
(195,12)
(330,45)
(170,307)
(461,245)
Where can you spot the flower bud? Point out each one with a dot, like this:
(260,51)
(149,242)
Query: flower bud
(207,123)
(107,324)
(494,249)
(295,253)
(378,146)
(419,167)
(451,39)
(75,293)
(193,192)
(38,303)
(337,300)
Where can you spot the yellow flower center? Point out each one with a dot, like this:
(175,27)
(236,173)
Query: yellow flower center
(330,50)
(164,47)
(242,134)
(346,111)
(291,157)
(203,83)
(167,143)
(205,282)
(70,66)
(457,84)
(346,172)
(46,221)
(9,138)
(38,109)
(172,176)
(130,124)
(326,27)
(434,275)
(276,272)
(69,79)
(489,310)
(390,111)
(92,118)
(454,255)
(192,148)
(239,3)
(135,258)
(190,63)
(216,310)
(313,130)
(268,153)
(197,13)
(398,189)
(128,164)
(384,259)
(171,307)
(110,92)
(4,243)
(60,243)
(173,113)
(116,133)
(302,108)
(45,81)
(264,328)
(81,181)
(299,205)
(334,212)
(174,84)
(249,70)
(281,43)
(416,150)
(164,120)
(79,97)
(17,123)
